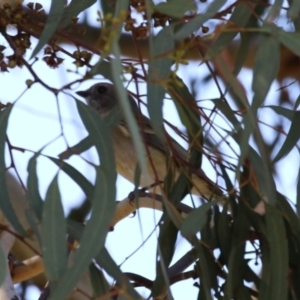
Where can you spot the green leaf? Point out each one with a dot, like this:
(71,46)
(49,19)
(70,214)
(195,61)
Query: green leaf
(264,72)
(166,245)
(237,263)
(100,134)
(226,110)
(238,19)
(265,69)
(3,266)
(293,11)
(288,214)
(230,189)
(122,96)
(265,181)
(243,292)
(175,8)
(297,102)
(5,204)
(99,282)
(159,71)
(85,185)
(245,46)
(53,233)
(202,268)
(55,15)
(33,194)
(107,7)
(274,10)
(105,261)
(285,112)
(199,20)
(196,220)
(208,239)
(298,194)
(265,286)
(73,10)
(294,15)
(110,120)
(188,112)
(75,229)
(292,138)
(240,98)
(103,68)
(278,254)
(94,235)
(108,264)
(80,147)
(291,40)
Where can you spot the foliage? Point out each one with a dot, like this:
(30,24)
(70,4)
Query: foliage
(252,223)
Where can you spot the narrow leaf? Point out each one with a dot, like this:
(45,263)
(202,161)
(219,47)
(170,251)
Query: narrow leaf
(53,233)
(103,201)
(279,254)
(265,69)
(285,112)
(293,11)
(292,138)
(33,194)
(3,267)
(274,10)
(298,194)
(159,71)
(85,185)
(5,204)
(55,15)
(175,8)
(198,21)
(73,10)
(80,147)
(108,264)
(99,282)
(291,40)
(238,20)
(196,220)
(265,181)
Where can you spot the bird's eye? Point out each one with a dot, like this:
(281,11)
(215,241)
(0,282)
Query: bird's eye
(101,89)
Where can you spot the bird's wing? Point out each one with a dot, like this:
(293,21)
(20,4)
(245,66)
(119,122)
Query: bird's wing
(151,139)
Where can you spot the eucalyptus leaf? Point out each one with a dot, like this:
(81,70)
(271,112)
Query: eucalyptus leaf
(279,261)
(103,202)
(159,71)
(175,8)
(239,18)
(291,139)
(196,220)
(5,203)
(265,69)
(199,20)
(33,194)
(108,264)
(291,40)
(85,185)
(55,15)
(73,10)
(3,266)
(80,147)
(53,233)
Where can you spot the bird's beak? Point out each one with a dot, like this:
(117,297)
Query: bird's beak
(83,94)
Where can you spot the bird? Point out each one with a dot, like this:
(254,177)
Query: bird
(103,98)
